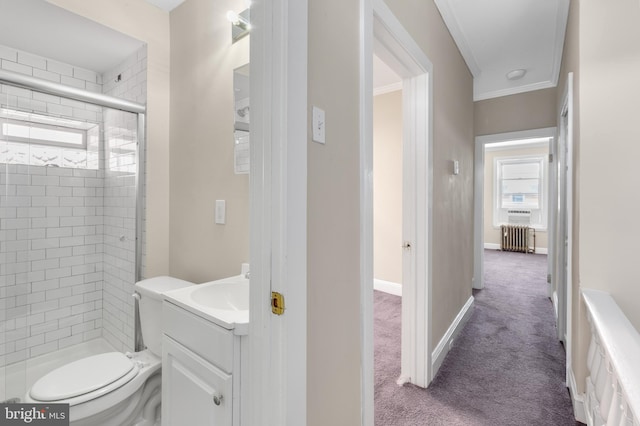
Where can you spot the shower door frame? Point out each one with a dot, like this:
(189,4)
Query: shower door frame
(99,99)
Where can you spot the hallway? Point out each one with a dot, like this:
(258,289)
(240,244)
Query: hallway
(505,368)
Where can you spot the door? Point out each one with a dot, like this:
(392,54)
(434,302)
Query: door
(562,241)
(194,392)
(552,219)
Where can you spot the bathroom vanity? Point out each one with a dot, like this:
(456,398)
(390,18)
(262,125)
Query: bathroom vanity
(205,354)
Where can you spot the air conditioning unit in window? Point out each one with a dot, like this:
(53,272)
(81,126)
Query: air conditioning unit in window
(519,217)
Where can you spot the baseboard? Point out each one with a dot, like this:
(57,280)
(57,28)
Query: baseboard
(492,246)
(443,348)
(576,398)
(387,287)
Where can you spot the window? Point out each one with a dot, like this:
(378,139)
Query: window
(42,133)
(520,182)
(40,140)
(520,192)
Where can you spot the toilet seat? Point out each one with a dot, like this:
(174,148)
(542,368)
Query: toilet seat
(85,379)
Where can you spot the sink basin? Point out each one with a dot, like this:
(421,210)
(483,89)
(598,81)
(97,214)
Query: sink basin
(224,302)
(224,295)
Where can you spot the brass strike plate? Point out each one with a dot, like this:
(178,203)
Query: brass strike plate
(277,303)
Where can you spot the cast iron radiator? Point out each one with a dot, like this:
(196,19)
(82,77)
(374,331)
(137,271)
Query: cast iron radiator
(521,238)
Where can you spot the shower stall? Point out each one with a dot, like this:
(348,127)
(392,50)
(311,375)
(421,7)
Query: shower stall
(71,223)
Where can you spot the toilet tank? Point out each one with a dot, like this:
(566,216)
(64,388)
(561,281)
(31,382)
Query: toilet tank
(150,293)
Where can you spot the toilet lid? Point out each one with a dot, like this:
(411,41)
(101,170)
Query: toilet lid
(82,376)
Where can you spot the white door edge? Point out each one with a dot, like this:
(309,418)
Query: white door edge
(568,105)
(278,188)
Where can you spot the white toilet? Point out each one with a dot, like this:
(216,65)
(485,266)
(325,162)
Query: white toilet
(115,389)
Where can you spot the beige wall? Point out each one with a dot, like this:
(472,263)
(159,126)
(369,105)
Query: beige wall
(125,16)
(333,206)
(387,187)
(491,234)
(452,262)
(608,180)
(606,48)
(202,63)
(524,111)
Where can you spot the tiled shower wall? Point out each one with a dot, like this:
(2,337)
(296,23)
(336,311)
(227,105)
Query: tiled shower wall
(51,278)
(66,234)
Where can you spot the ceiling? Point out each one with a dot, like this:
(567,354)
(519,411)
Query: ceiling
(494,37)
(167,5)
(41,28)
(498,36)
(384,78)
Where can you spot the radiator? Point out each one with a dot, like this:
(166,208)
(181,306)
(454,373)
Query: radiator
(519,238)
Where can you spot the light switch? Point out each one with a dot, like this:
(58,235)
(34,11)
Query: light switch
(220,212)
(318,124)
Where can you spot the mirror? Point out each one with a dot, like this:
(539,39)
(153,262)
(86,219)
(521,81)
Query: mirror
(241,119)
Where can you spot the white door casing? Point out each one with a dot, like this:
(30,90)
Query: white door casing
(553,216)
(566,309)
(278,217)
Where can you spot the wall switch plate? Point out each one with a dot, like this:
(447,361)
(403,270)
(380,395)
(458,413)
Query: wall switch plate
(456,167)
(220,212)
(318,124)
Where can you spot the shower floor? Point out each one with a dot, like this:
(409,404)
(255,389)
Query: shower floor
(19,377)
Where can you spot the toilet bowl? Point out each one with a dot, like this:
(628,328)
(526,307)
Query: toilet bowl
(114,388)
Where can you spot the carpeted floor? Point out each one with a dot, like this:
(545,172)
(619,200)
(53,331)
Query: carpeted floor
(506,367)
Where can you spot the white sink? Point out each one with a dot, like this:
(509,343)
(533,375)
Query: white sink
(224,302)
(222,295)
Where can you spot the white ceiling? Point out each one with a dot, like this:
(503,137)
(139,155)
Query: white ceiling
(41,28)
(384,78)
(494,37)
(167,5)
(498,36)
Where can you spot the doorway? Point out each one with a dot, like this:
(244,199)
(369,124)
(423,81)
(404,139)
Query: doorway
(499,141)
(395,47)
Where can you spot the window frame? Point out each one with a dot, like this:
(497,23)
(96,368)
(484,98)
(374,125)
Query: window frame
(540,224)
(38,141)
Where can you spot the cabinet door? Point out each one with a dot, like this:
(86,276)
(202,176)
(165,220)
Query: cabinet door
(194,392)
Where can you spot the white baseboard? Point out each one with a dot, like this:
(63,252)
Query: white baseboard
(577,398)
(492,246)
(443,348)
(387,287)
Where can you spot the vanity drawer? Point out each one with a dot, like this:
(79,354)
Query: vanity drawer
(211,342)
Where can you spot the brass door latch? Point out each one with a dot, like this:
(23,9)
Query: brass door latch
(277,303)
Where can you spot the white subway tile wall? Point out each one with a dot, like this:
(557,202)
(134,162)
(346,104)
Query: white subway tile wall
(67,235)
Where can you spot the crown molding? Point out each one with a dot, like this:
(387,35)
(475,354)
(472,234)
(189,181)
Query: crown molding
(458,35)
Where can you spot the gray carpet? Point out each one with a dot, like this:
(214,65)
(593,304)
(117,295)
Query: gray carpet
(506,367)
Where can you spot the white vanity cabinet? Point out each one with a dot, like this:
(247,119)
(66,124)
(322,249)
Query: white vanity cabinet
(202,365)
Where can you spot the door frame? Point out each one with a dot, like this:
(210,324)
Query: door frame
(277,358)
(382,31)
(478,192)
(566,308)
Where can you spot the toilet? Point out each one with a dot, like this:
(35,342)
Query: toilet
(114,388)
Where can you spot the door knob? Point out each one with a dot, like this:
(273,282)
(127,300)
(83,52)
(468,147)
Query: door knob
(217,399)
